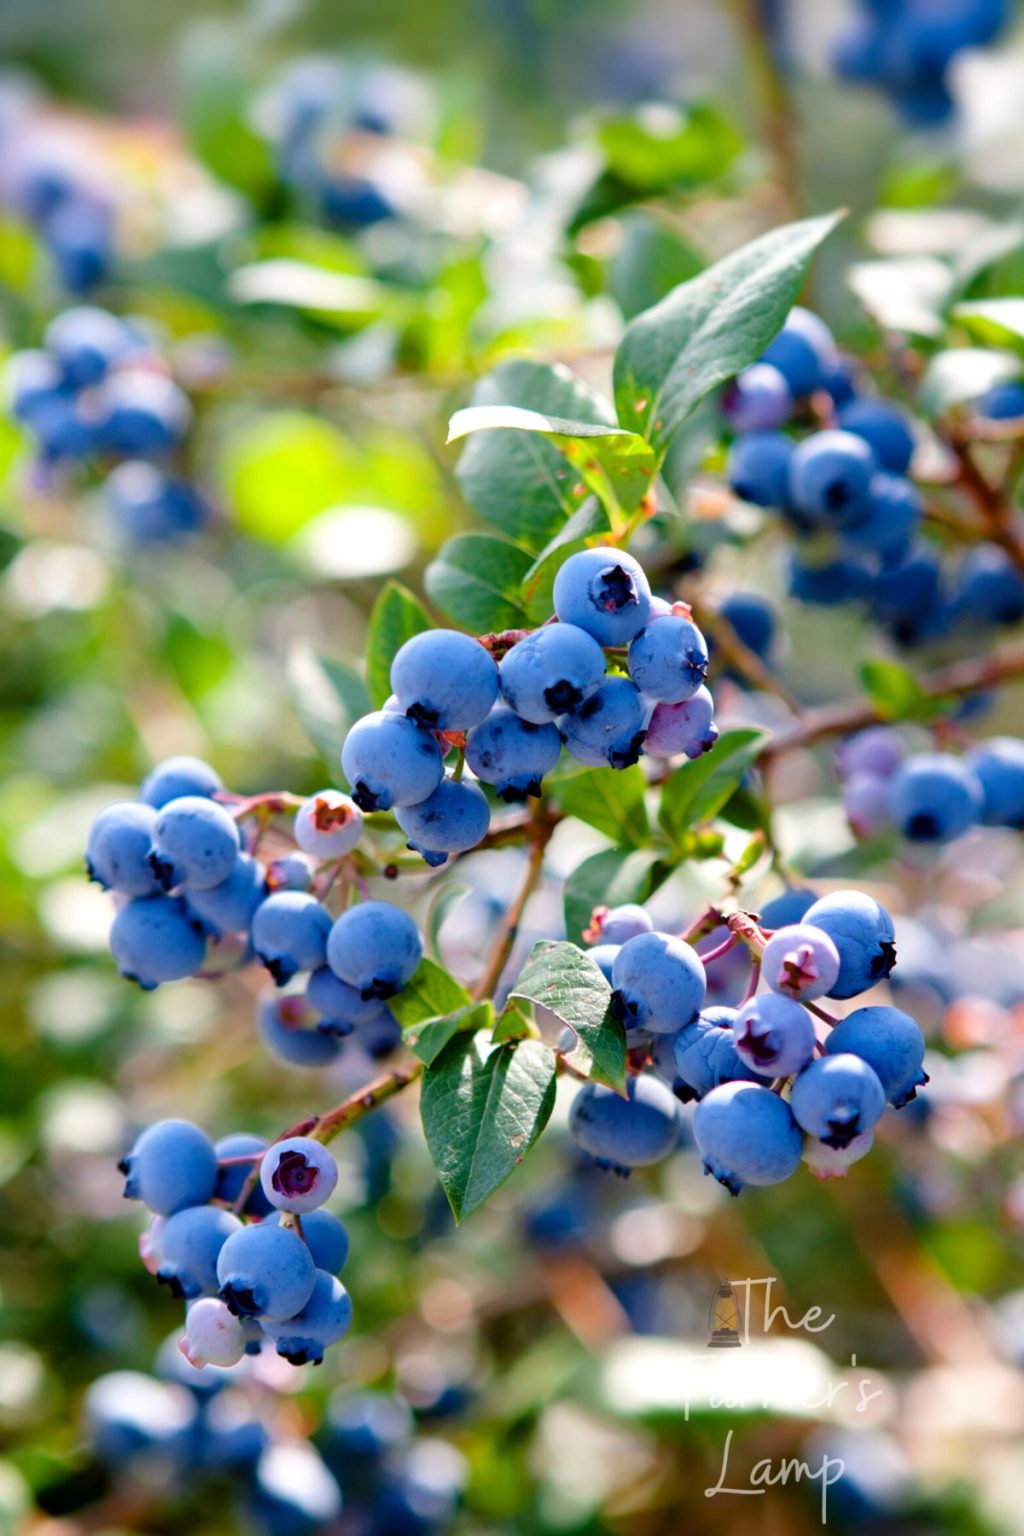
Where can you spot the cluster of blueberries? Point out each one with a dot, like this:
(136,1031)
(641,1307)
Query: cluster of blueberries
(271,1277)
(74,220)
(906,48)
(769,1091)
(930,797)
(845,492)
(551,689)
(191,899)
(98,393)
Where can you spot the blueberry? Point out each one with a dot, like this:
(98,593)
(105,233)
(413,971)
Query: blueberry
(605,592)
(129,1414)
(863,933)
(326,1316)
(117,853)
(746,1135)
(155,939)
(658,983)
(758,468)
(551,671)
(878,750)
(380,1036)
(375,947)
(149,507)
(934,798)
(354,202)
(829,584)
(608,727)
(827,1162)
(172,1165)
(866,803)
(213,1336)
(62,428)
(144,414)
(389,760)
(705,1054)
(886,430)
(837,1098)
(289,934)
(891,1042)
(998,764)
(614,925)
(989,588)
(688,728)
(624,1133)
(30,381)
(791,906)
(451,820)
(757,400)
(338,1006)
(325,1237)
(231,1178)
(229,907)
(445,680)
(195,843)
(603,956)
(910,599)
(511,753)
(177,777)
(830,477)
(753,621)
(298,1174)
(327,825)
(189,1246)
(889,520)
(293,1493)
(85,342)
(668,660)
(801,962)
(773,1035)
(80,239)
(804,352)
(1003,402)
(288,1030)
(290,872)
(265,1272)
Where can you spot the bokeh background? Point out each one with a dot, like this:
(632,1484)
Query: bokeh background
(542,1370)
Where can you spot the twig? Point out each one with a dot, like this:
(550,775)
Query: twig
(509,930)
(359,1104)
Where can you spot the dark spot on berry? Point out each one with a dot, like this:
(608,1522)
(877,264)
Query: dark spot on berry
(163,870)
(923,827)
(562,696)
(614,590)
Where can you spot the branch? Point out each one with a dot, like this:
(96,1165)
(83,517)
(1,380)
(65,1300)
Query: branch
(359,1104)
(543,827)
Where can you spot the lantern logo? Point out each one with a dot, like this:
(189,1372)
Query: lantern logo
(724,1319)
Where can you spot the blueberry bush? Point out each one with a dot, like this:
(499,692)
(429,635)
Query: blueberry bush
(515,626)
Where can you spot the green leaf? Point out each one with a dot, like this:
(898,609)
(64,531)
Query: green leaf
(476,580)
(904,293)
(709,328)
(993,322)
(447,898)
(697,791)
(395,617)
(513,1024)
(340,299)
(651,260)
(563,979)
(517,480)
(328,698)
(610,800)
(430,994)
(428,1040)
(963,373)
(663,146)
(894,691)
(483,1108)
(607,879)
(591,519)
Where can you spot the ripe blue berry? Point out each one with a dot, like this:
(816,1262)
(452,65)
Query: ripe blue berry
(1003,402)
(511,753)
(800,962)
(989,587)
(615,925)
(830,476)
(603,956)
(291,872)
(758,468)
(338,1006)
(380,1037)
(389,760)
(30,381)
(705,1055)
(551,671)
(879,750)
(328,825)
(790,907)
(753,621)
(866,803)
(229,906)
(891,1042)
(624,1133)
(862,932)
(757,400)
(177,777)
(804,351)
(658,984)
(289,934)
(325,1237)
(889,519)
(288,1029)
(213,1336)
(195,843)
(265,1272)
(85,342)
(155,939)
(298,1174)
(445,680)
(190,1243)
(688,728)
(375,947)
(451,820)
(148,507)
(324,1318)
(128,1413)
(172,1165)
(746,1135)
(144,414)
(605,592)
(608,727)
(232,1177)
(117,853)
(669,659)
(837,1098)
(934,798)
(774,1035)
(79,239)
(886,430)
(999,766)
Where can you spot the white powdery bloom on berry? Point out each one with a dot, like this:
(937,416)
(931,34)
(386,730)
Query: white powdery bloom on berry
(213,1335)
(328,825)
(801,962)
